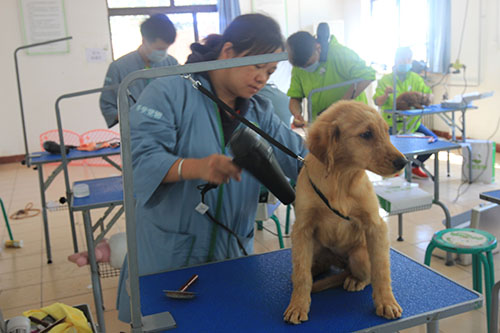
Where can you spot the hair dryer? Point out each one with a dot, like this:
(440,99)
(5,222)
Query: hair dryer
(256,155)
(54,148)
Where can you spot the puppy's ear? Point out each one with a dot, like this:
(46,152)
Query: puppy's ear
(322,142)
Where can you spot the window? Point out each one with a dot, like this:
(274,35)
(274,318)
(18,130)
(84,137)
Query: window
(392,24)
(193,19)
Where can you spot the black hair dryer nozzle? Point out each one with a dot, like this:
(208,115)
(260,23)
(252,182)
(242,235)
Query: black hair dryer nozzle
(255,155)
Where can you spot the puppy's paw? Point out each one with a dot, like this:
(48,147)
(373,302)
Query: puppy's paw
(353,284)
(296,312)
(388,308)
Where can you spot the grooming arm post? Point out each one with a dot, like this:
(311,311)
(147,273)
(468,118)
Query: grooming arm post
(128,196)
(332,86)
(27,153)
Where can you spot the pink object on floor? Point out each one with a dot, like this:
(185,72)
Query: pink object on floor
(102,254)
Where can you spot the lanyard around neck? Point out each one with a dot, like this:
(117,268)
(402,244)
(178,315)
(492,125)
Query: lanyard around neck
(223,106)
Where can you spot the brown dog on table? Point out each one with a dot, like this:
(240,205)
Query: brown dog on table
(337,209)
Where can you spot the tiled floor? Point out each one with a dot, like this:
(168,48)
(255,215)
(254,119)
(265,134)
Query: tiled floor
(28,282)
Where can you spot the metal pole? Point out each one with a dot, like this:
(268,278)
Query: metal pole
(394,113)
(128,195)
(332,86)
(26,156)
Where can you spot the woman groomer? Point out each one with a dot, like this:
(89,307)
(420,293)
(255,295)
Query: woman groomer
(179,141)
(320,63)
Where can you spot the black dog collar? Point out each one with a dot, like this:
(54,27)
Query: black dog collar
(325,200)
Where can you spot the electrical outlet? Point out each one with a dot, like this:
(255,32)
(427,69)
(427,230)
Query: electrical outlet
(456,66)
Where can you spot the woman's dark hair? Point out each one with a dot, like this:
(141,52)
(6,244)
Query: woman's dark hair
(253,33)
(301,47)
(158,26)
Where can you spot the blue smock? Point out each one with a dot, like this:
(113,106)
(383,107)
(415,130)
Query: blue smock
(280,102)
(172,120)
(117,71)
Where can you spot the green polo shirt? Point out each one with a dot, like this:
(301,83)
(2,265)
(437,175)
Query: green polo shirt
(342,64)
(412,82)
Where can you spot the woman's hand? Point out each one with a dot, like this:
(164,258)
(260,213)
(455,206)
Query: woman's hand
(218,169)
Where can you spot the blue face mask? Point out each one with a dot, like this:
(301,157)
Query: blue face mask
(403,68)
(157,55)
(312,68)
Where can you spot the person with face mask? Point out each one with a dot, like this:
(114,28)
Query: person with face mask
(179,141)
(158,33)
(320,62)
(406,80)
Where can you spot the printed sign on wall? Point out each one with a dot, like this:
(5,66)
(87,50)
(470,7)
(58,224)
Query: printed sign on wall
(44,20)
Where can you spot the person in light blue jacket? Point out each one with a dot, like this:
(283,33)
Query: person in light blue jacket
(280,102)
(179,141)
(158,33)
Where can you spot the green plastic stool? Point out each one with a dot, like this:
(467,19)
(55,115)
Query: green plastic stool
(479,244)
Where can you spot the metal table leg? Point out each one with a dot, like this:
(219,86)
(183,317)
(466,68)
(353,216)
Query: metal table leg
(44,214)
(433,326)
(400,228)
(96,282)
(449,258)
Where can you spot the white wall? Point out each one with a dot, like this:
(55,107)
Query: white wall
(483,28)
(46,77)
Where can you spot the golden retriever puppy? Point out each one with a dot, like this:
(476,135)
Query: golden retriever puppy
(337,209)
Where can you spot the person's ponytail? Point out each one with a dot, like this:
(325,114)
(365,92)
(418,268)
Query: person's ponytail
(207,51)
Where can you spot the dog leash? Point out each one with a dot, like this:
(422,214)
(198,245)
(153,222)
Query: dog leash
(325,200)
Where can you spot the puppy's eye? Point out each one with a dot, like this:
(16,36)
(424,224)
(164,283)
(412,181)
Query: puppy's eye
(367,135)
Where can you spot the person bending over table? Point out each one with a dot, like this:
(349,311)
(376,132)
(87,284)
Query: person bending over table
(179,141)
(158,33)
(320,62)
(406,80)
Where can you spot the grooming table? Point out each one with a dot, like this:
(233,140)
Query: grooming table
(41,158)
(445,113)
(411,146)
(493,196)
(104,192)
(250,294)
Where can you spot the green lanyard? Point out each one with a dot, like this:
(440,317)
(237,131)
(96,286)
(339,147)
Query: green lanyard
(213,235)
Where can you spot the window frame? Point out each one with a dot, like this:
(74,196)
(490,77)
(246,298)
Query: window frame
(172,9)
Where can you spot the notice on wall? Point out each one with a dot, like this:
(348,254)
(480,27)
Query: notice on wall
(44,20)
(95,55)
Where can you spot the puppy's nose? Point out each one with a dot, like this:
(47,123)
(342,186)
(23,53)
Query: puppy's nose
(399,163)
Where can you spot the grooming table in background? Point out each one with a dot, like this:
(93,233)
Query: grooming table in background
(443,113)
(411,146)
(39,160)
(447,114)
(250,294)
(104,193)
(493,196)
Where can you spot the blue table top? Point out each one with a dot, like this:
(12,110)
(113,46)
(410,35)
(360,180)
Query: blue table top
(431,109)
(74,154)
(103,193)
(250,294)
(420,145)
(492,196)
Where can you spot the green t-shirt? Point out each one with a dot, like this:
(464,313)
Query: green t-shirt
(342,64)
(412,82)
